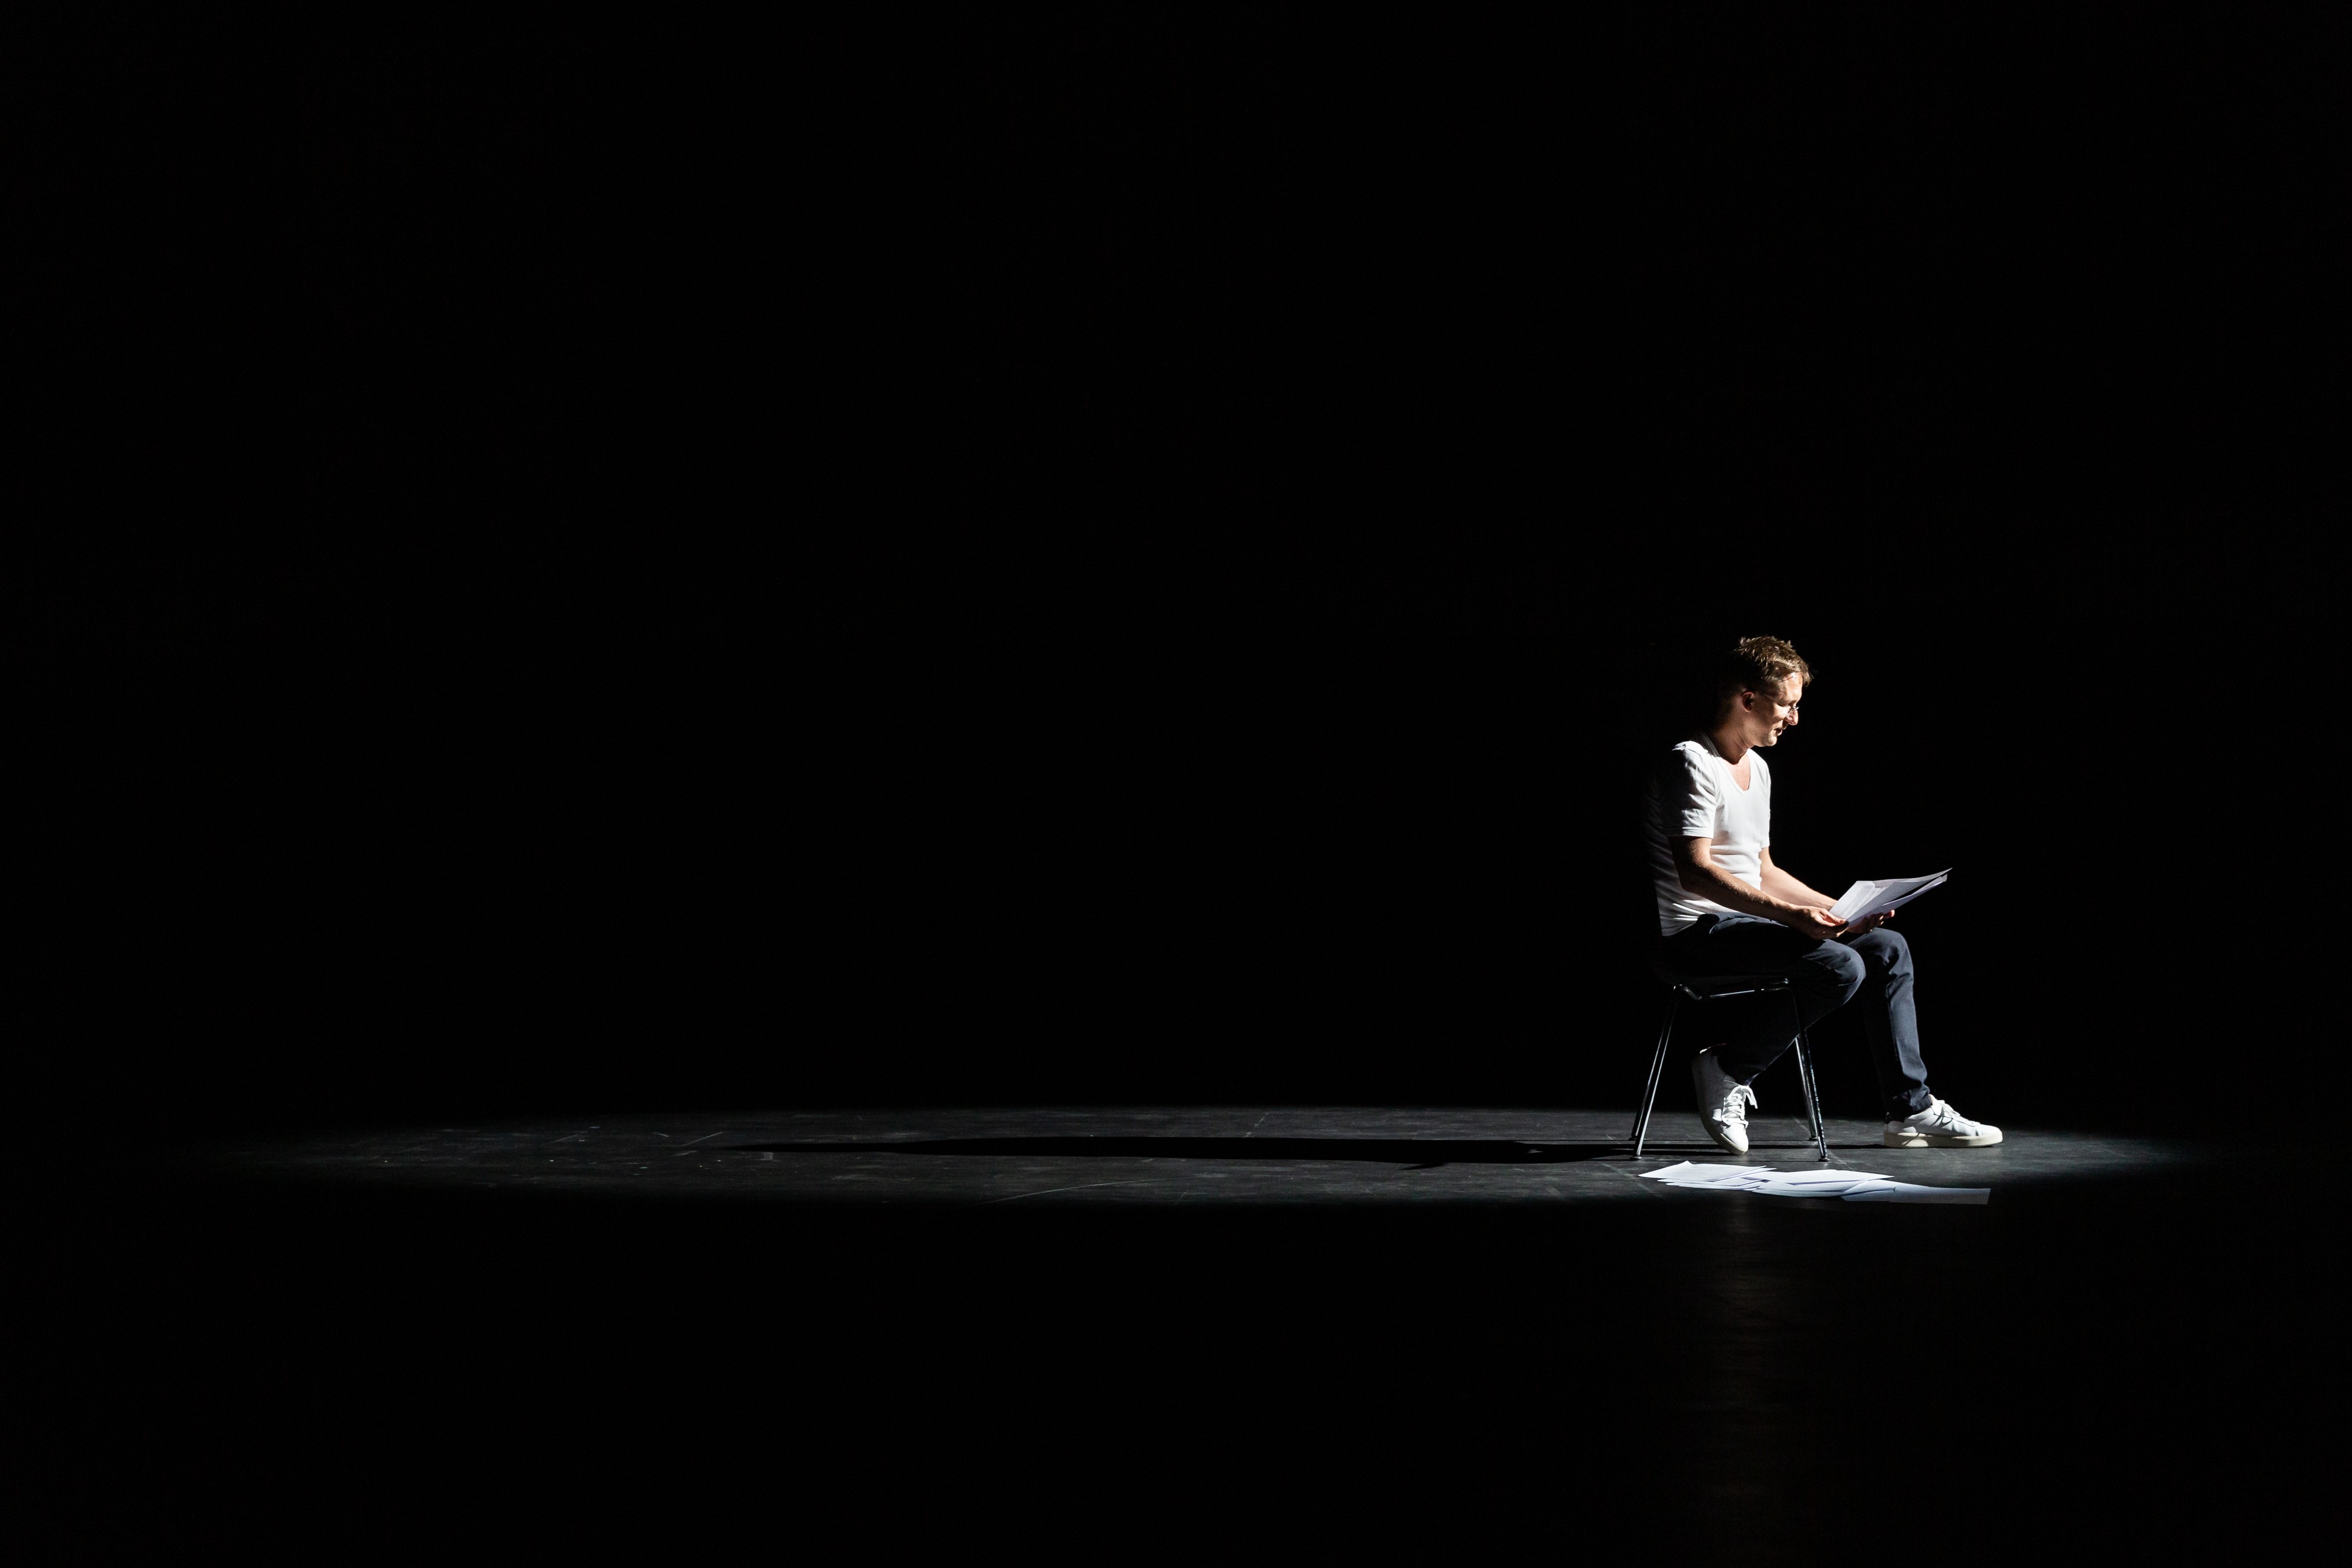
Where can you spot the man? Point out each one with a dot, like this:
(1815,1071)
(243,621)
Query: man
(1724,908)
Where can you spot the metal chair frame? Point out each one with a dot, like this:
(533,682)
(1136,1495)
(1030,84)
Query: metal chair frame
(1707,990)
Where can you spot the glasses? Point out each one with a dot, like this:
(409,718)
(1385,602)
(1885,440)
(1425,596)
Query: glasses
(1776,702)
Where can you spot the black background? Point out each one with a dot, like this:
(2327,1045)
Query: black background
(1122,556)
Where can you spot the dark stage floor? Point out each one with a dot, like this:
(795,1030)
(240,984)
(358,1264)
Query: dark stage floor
(1127,1332)
(1233,1154)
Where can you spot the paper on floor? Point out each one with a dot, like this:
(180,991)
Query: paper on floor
(1686,1173)
(1908,1192)
(1854,1185)
(1818,1184)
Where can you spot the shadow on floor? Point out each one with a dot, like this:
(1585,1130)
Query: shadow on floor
(1420,1153)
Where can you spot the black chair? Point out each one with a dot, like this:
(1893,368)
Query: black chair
(1716,989)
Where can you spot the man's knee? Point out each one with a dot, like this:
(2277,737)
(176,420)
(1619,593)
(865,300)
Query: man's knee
(1883,949)
(1842,970)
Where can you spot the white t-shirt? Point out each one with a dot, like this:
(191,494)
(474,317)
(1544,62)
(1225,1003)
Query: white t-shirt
(1693,796)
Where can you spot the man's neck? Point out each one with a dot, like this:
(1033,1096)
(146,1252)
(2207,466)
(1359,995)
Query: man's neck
(1729,744)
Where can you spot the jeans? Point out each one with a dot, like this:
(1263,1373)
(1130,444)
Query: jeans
(1873,971)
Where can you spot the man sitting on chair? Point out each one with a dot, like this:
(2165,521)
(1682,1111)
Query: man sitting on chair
(1724,908)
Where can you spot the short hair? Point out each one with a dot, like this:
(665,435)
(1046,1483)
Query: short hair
(1758,665)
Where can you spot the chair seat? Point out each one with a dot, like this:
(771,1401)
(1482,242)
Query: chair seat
(1730,984)
(1700,987)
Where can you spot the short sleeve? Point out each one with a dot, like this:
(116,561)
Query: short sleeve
(1693,798)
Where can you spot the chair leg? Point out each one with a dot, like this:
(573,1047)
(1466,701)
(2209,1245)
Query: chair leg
(1640,1135)
(1813,1089)
(1813,1099)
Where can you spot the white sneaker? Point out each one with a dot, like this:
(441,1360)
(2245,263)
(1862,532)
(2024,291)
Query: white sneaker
(1723,1103)
(1939,1127)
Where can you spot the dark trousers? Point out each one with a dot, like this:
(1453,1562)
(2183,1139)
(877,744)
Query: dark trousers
(1873,972)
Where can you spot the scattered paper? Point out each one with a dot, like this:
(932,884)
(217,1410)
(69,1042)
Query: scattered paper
(1907,1192)
(1686,1173)
(1867,1186)
(1826,1184)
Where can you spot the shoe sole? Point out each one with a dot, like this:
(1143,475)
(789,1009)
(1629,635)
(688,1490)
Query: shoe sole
(1924,1140)
(1726,1144)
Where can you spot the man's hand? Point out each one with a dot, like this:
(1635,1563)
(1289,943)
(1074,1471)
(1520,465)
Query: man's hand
(1855,928)
(1818,924)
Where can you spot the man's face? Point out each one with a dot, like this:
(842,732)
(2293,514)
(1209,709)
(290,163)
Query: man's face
(1772,712)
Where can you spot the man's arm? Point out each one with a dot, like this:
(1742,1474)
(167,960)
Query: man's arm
(1787,888)
(1695,867)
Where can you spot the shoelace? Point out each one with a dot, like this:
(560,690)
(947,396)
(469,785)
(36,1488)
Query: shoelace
(1942,1118)
(1732,1107)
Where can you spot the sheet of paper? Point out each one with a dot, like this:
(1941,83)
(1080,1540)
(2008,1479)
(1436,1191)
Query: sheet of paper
(1854,1186)
(1866,898)
(1891,900)
(1709,1178)
(1684,1171)
(1819,1184)
(1853,898)
(1907,1192)
(1840,1173)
